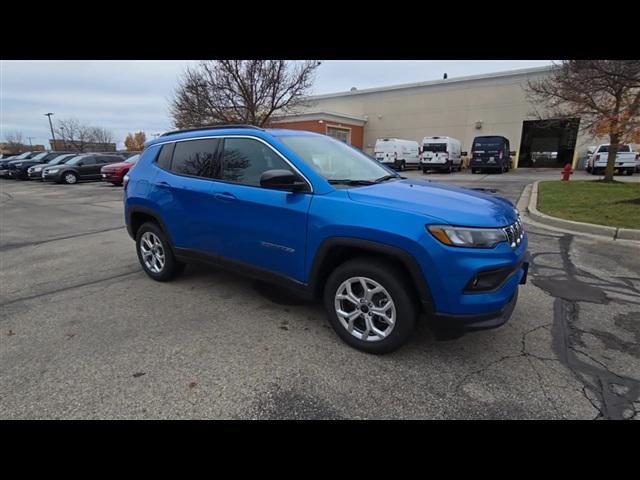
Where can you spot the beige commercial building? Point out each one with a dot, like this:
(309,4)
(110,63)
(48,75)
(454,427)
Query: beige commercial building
(462,108)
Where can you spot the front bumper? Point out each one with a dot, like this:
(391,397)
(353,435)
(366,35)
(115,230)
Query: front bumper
(51,177)
(469,323)
(35,175)
(485,321)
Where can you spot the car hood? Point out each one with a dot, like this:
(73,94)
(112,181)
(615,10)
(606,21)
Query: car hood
(442,203)
(24,163)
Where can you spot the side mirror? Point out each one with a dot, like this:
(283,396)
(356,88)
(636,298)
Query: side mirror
(512,153)
(464,154)
(80,164)
(282,180)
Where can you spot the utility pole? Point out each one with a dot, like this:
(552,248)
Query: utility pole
(53,147)
(30,143)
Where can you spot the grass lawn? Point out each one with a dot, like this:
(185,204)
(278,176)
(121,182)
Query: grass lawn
(614,204)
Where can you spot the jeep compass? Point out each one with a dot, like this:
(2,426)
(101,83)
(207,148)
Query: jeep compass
(311,213)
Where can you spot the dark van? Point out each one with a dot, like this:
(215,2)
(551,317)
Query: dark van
(491,153)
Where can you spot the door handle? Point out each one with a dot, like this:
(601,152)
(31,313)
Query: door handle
(163,184)
(226,196)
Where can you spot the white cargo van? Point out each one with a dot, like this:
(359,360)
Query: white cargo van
(441,153)
(397,153)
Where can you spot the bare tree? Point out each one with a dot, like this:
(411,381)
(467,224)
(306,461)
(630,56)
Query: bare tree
(14,142)
(77,136)
(240,91)
(604,94)
(101,135)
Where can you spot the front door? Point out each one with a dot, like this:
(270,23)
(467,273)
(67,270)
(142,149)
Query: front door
(90,168)
(261,227)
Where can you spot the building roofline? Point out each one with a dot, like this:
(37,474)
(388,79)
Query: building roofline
(469,78)
(319,114)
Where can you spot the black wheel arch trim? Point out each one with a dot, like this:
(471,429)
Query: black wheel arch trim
(152,213)
(404,257)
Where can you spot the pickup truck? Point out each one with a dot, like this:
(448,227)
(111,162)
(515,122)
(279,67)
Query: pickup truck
(625,160)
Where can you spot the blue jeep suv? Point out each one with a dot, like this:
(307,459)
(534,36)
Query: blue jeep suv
(309,212)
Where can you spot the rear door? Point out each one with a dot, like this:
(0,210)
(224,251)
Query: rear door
(486,151)
(184,188)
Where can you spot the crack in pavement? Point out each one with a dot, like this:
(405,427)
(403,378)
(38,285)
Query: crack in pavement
(616,394)
(70,287)
(12,246)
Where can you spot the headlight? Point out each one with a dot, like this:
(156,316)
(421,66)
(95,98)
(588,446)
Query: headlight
(53,170)
(35,169)
(17,165)
(468,237)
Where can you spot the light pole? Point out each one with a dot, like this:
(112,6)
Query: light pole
(30,143)
(53,137)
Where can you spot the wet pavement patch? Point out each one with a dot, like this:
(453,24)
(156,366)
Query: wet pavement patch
(571,290)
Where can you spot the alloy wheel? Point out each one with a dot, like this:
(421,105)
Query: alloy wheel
(152,252)
(365,309)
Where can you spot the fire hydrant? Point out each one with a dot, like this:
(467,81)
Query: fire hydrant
(566,172)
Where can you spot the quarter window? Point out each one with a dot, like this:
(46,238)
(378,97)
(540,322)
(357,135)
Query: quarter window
(164,158)
(245,160)
(198,158)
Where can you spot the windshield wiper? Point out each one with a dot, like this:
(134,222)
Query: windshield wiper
(387,177)
(347,181)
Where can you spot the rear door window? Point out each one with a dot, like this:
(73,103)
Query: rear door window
(198,158)
(435,147)
(488,144)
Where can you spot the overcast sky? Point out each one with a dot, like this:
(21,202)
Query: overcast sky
(128,96)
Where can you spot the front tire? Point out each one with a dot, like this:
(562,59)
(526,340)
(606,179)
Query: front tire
(155,253)
(69,178)
(370,305)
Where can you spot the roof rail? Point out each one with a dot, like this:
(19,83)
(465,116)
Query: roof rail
(210,127)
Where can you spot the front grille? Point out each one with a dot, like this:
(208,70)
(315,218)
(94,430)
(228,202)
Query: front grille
(514,233)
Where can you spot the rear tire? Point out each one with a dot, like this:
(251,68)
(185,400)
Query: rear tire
(155,253)
(396,293)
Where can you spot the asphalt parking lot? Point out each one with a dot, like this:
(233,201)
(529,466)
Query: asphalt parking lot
(84,333)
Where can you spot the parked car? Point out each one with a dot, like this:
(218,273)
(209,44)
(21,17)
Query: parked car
(377,248)
(4,171)
(127,153)
(625,160)
(81,167)
(115,172)
(18,169)
(491,152)
(35,172)
(441,153)
(397,153)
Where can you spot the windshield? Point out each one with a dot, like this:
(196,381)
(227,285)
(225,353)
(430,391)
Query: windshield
(61,159)
(434,147)
(21,156)
(74,160)
(40,155)
(133,159)
(335,160)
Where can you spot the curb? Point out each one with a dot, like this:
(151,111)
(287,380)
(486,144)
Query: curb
(612,233)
